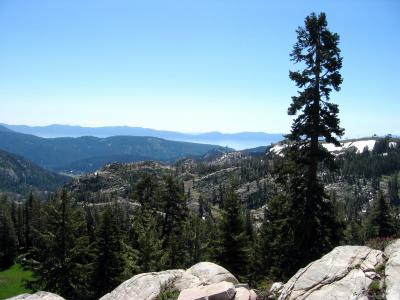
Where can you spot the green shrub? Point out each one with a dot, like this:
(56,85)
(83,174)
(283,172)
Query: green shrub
(169,294)
(379,243)
(375,291)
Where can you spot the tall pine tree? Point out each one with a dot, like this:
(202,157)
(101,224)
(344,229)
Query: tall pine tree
(175,215)
(8,238)
(60,255)
(309,217)
(109,262)
(379,221)
(234,250)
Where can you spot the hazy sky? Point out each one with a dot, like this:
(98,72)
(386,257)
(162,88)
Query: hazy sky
(192,66)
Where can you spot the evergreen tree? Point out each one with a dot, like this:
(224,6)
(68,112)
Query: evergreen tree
(275,248)
(147,192)
(8,238)
(175,214)
(379,221)
(234,252)
(31,220)
(60,255)
(146,238)
(315,228)
(109,262)
(393,190)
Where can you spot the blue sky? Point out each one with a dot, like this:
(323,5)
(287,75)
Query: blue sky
(190,66)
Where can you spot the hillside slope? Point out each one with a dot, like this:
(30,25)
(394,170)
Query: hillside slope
(85,154)
(240,140)
(18,175)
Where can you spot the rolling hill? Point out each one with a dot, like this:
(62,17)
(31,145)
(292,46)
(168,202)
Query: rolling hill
(241,140)
(18,175)
(86,154)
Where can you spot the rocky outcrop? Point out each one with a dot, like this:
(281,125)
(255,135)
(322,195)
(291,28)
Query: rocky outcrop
(276,289)
(392,271)
(202,280)
(204,273)
(37,296)
(222,291)
(146,286)
(344,273)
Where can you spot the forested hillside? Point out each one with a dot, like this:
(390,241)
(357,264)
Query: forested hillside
(18,175)
(171,216)
(85,154)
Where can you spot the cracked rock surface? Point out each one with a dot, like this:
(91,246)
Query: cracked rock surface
(204,273)
(344,273)
(145,286)
(220,291)
(392,271)
(148,286)
(37,296)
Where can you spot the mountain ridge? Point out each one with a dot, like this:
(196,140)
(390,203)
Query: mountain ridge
(239,140)
(19,175)
(57,153)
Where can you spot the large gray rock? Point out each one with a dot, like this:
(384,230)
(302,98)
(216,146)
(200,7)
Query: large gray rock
(145,286)
(344,273)
(276,289)
(218,291)
(204,273)
(242,294)
(37,296)
(392,271)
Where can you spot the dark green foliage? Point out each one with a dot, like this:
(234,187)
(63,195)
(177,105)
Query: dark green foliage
(175,214)
(60,254)
(169,294)
(275,247)
(302,219)
(8,238)
(379,221)
(109,262)
(87,154)
(32,212)
(19,175)
(146,238)
(147,192)
(317,48)
(370,164)
(393,190)
(234,248)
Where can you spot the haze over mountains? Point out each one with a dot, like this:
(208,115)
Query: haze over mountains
(238,141)
(87,154)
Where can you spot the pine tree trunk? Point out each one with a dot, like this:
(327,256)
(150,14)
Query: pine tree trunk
(315,121)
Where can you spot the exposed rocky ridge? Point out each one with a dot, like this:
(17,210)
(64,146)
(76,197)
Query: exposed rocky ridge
(344,273)
(347,272)
(392,271)
(208,179)
(149,286)
(114,181)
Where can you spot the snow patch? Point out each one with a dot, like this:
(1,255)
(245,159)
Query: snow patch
(358,145)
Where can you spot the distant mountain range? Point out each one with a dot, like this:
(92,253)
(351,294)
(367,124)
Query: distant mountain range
(238,141)
(87,154)
(18,175)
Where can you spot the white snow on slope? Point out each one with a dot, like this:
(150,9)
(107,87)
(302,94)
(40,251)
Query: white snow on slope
(359,145)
